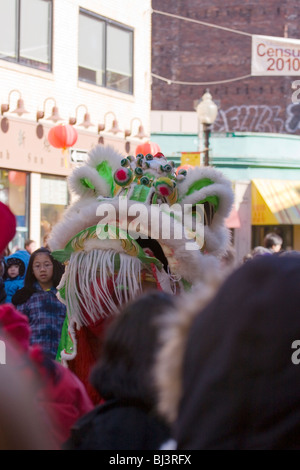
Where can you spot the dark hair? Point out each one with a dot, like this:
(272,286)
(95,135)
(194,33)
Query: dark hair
(58,268)
(28,242)
(23,294)
(130,344)
(238,368)
(272,239)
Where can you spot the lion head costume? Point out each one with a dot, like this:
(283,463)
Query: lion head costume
(134,223)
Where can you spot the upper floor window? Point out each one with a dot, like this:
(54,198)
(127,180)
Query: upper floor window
(105,55)
(26,32)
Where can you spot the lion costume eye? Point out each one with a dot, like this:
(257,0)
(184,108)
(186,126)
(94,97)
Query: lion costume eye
(167,168)
(123,176)
(138,171)
(164,186)
(145,180)
(124,162)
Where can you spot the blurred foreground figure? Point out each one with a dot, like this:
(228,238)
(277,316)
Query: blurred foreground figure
(241,379)
(39,399)
(128,420)
(22,425)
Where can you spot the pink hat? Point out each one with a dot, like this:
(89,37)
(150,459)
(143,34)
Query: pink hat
(8,226)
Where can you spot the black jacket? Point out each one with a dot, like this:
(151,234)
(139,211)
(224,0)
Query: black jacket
(118,425)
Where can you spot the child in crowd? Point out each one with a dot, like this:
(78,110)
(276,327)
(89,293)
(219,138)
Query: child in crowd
(38,301)
(16,266)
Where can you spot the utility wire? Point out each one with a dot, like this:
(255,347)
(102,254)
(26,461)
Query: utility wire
(177,82)
(192,20)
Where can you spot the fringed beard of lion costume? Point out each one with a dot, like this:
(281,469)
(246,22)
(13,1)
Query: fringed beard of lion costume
(112,255)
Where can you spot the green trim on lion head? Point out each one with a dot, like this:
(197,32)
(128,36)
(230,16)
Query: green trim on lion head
(104,232)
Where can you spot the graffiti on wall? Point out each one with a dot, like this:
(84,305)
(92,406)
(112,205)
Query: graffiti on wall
(250,118)
(292,123)
(258,118)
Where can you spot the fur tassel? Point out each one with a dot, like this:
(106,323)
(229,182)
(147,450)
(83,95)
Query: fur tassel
(98,292)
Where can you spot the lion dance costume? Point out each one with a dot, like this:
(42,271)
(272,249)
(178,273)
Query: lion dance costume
(124,232)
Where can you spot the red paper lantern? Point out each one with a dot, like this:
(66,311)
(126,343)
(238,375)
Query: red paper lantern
(62,136)
(18,178)
(147,147)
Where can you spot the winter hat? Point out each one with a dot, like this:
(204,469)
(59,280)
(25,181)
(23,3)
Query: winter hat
(8,226)
(16,261)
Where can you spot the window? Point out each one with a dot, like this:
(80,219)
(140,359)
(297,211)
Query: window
(14,193)
(54,201)
(105,54)
(26,32)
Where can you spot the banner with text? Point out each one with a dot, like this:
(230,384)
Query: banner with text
(275,56)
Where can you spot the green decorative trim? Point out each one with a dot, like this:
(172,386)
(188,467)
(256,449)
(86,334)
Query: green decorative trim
(87,183)
(199,184)
(105,171)
(140,193)
(62,292)
(62,255)
(103,232)
(214,200)
(66,344)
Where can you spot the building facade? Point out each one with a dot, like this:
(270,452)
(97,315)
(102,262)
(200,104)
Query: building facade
(82,63)
(185,53)
(264,169)
(255,138)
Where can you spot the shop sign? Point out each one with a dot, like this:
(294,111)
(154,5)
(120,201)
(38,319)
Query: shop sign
(78,156)
(190,158)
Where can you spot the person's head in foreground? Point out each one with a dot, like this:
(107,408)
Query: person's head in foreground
(241,378)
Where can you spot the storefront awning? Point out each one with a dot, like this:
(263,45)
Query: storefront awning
(275,202)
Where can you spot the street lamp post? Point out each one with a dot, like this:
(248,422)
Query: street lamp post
(207,112)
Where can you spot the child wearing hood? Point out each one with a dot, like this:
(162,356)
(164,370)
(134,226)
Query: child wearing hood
(16,266)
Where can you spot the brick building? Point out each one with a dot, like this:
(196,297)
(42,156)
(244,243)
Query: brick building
(184,51)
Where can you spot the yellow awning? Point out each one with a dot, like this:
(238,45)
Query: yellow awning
(275,202)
